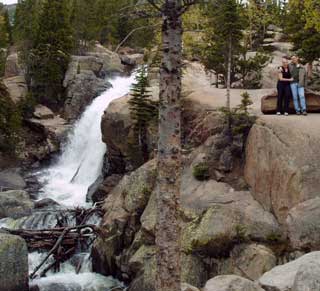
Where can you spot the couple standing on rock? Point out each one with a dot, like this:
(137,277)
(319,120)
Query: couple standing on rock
(292,82)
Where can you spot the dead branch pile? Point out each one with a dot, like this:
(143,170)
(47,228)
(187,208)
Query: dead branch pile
(62,241)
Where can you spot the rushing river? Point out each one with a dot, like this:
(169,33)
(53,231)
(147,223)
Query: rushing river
(67,181)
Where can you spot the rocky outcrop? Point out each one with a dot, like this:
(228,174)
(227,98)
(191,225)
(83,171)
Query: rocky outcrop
(111,61)
(43,112)
(215,219)
(132,59)
(298,275)
(43,135)
(102,187)
(303,225)
(230,216)
(249,260)
(269,103)
(117,131)
(13,263)
(12,67)
(279,169)
(86,78)
(17,88)
(15,204)
(231,283)
(83,81)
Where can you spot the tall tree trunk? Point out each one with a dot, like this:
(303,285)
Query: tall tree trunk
(229,73)
(169,151)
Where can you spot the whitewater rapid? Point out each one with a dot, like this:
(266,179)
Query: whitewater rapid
(80,164)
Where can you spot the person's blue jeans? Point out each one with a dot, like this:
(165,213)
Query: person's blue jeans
(299,98)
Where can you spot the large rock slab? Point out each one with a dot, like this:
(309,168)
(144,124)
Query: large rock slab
(117,131)
(13,67)
(17,88)
(250,261)
(283,162)
(13,263)
(43,112)
(231,283)
(84,80)
(303,225)
(269,103)
(290,276)
(230,217)
(15,204)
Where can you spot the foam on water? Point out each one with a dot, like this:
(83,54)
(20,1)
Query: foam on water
(81,161)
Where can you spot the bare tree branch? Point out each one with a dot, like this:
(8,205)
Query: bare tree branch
(132,32)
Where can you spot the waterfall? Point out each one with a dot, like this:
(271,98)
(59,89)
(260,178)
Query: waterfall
(81,161)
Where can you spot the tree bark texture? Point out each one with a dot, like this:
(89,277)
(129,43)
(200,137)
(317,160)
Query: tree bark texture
(169,151)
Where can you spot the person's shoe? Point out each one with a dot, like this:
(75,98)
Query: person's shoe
(298,113)
(286,113)
(305,113)
(278,113)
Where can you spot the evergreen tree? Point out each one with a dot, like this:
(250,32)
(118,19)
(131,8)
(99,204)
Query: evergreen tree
(143,110)
(51,52)
(4,28)
(305,38)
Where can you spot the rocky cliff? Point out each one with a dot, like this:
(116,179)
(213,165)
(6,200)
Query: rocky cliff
(246,214)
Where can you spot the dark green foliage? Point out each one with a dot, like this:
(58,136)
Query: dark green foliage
(10,122)
(306,40)
(50,55)
(240,118)
(142,110)
(250,69)
(3,57)
(225,25)
(5,30)
(201,172)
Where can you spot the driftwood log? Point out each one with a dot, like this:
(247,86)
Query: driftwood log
(62,241)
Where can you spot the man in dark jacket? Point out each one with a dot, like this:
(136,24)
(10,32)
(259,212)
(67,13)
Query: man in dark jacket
(298,85)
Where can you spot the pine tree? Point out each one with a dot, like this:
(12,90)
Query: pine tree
(4,28)
(51,52)
(305,38)
(143,110)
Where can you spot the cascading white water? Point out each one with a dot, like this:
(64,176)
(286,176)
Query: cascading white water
(81,161)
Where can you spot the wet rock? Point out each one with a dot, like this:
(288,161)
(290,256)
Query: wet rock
(13,263)
(290,276)
(11,180)
(269,103)
(102,187)
(278,168)
(94,188)
(46,203)
(303,225)
(231,283)
(43,112)
(15,204)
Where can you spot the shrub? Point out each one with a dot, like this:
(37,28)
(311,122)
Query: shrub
(201,172)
